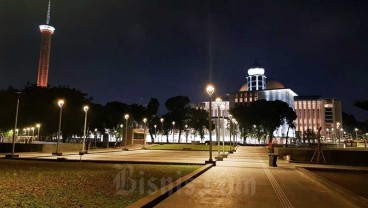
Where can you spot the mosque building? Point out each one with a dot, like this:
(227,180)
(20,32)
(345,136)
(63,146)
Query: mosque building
(313,112)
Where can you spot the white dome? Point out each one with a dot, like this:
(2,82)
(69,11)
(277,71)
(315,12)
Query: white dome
(256,71)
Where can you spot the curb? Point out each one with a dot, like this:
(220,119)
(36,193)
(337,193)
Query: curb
(63,159)
(345,193)
(168,190)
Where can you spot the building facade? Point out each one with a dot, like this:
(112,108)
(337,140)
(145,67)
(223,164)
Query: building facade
(258,87)
(315,112)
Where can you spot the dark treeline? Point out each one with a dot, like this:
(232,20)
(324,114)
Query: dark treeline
(39,105)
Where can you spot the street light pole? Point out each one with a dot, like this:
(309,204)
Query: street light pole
(126,131)
(155,126)
(144,135)
(60,103)
(210,90)
(162,127)
(230,127)
(173,130)
(15,128)
(38,131)
(85,108)
(218,131)
(223,129)
(356,133)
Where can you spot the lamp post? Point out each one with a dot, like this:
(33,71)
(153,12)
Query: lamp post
(85,109)
(38,131)
(186,133)
(222,107)
(173,130)
(32,128)
(218,101)
(155,126)
(162,127)
(95,136)
(144,134)
(121,135)
(328,133)
(28,131)
(12,155)
(333,135)
(356,133)
(126,131)
(235,137)
(210,90)
(230,127)
(60,104)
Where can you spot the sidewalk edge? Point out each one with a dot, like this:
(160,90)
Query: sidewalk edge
(163,193)
(343,192)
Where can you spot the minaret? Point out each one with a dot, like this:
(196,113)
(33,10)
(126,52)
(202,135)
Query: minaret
(256,79)
(43,65)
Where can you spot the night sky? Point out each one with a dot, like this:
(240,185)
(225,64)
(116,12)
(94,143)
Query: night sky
(132,50)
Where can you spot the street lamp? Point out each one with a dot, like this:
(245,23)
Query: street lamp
(210,90)
(356,133)
(144,134)
(173,129)
(186,133)
(230,127)
(12,155)
(162,127)
(95,136)
(126,131)
(155,126)
(218,101)
(32,128)
(121,134)
(85,108)
(38,130)
(28,131)
(222,107)
(60,104)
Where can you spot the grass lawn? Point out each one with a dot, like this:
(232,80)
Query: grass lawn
(192,146)
(73,184)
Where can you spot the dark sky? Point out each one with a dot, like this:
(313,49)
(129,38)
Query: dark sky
(132,50)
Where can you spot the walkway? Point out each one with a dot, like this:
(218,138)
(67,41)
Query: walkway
(245,180)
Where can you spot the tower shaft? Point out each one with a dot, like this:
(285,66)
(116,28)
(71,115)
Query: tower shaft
(43,64)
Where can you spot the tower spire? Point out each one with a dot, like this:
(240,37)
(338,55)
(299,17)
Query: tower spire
(48,13)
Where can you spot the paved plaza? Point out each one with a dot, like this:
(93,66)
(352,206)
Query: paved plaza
(244,179)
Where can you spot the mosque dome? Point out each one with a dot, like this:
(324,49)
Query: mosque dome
(244,87)
(273,84)
(270,85)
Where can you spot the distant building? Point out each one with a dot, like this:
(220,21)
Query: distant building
(44,61)
(315,112)
(258,87)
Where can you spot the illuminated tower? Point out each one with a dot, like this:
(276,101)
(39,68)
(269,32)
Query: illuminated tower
(256,79)
(43,64)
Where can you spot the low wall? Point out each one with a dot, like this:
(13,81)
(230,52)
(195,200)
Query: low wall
(45,148)
(348,156)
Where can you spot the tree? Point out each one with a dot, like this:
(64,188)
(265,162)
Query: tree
(152,109)
(178,108)
(362,104)
(39,105)
(198,120)
(265,115)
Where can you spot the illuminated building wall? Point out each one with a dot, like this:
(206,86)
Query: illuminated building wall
(258,88)
(314,112)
